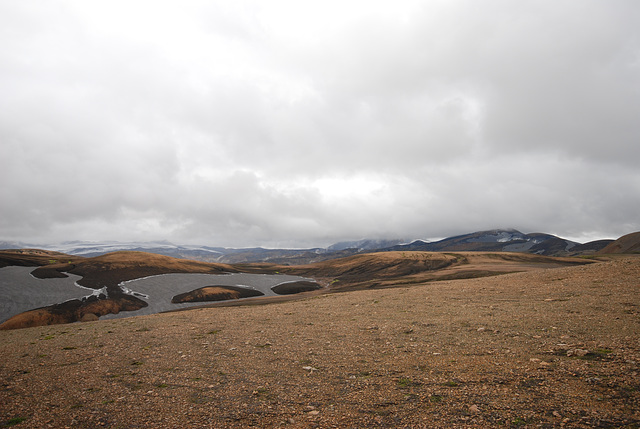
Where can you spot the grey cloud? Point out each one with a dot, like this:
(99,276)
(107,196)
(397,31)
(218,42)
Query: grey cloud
(256,123)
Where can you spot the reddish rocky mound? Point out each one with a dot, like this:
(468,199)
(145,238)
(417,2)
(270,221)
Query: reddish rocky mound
(215,293)
(629,243)
(73,311)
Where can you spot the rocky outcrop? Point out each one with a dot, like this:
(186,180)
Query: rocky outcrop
(295,287)
(75,310)
(215,293)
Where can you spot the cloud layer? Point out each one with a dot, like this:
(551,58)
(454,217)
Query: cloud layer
(295,124)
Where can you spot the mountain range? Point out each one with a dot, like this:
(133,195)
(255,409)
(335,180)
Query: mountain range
(498,240)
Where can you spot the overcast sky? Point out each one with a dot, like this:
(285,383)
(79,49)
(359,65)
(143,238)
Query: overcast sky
(303,123)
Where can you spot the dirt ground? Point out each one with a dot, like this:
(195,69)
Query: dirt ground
(545,348)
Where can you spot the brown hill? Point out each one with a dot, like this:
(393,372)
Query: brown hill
(35,258)
(629,243)
(392,269)
(110,269)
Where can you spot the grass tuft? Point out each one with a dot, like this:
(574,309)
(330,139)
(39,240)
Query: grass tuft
(14,421)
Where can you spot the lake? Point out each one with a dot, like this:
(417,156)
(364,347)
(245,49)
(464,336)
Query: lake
(20,291)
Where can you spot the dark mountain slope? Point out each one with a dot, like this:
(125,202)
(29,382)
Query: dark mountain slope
(629,243)
(497,240)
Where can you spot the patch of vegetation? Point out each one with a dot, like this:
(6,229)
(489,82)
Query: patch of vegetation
(518,421)
(68,348)
(14,421)
(262,393)
(597,354)
(450,384)
(404,383)
(213,331)
(162,386)
(137,363)
(435,398)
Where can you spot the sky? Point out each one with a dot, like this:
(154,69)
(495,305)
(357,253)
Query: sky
(299,124)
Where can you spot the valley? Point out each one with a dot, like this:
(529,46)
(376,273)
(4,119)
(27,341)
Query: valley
(390,339)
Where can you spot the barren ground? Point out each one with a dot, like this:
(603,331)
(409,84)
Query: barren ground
(545,348)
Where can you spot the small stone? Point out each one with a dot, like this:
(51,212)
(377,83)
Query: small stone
(313,413)
(309,368)
(556,414)
(89,317)
(535,360)
(577,352)
(474,409)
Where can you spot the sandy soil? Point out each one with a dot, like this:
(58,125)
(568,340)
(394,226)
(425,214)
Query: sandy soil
(545,348)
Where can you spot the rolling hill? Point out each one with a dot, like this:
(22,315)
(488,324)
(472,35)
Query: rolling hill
(498,240)
(629,243)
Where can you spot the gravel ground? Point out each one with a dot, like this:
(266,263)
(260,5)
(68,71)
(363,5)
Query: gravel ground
(547,348)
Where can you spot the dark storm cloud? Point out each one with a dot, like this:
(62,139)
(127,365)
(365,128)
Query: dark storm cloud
(291,124)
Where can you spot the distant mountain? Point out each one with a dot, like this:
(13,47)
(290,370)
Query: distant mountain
(13,245)
(590,247)
(629,243)
(89,249)
(365,244)
(496,240)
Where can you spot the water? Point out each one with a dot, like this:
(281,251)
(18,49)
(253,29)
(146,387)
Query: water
(158,291)
(20,291)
